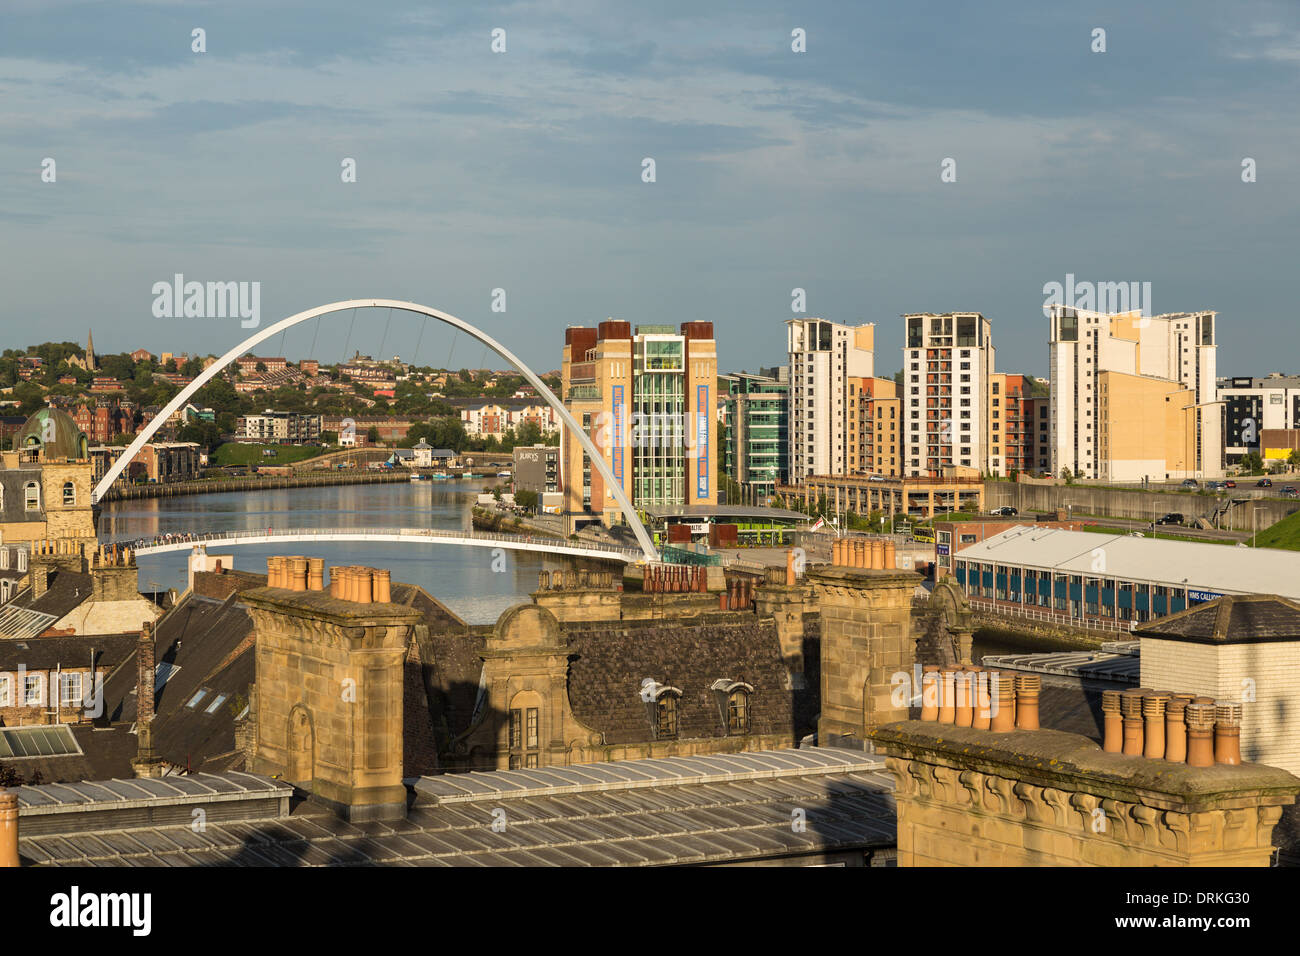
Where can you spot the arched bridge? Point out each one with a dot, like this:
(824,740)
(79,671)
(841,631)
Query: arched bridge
(595,454)
(479,539)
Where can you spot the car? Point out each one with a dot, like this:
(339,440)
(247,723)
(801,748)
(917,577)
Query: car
(1213,485)
(1136,534)
(1191,483)
(1172,518)
(876,478)
(1289,492)
(1264,483)
(1230,484)
(1005,512)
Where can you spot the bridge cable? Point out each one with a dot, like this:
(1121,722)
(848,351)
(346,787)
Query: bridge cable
(418,340)
(384,340)
(312,353)
(349,339)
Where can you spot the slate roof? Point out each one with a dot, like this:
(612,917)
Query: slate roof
(657,812)
(610,660)
(47,653)
(1232,619)
(67,591)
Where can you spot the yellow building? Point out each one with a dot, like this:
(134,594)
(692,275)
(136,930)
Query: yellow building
(1146,428)
(648,401)
(874,427)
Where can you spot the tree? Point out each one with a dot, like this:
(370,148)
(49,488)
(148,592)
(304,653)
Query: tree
(1293,459)
(1251,463)
(526,499)
(372,435)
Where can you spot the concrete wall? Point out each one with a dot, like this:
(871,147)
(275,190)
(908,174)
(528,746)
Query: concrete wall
(1129,503)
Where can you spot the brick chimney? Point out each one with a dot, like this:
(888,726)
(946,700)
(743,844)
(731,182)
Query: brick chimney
(147,763)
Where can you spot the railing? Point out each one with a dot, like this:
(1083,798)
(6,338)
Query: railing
(1053,617)
(177,541)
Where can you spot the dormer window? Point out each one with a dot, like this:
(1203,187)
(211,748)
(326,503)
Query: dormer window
(32,496)
(733,704)
(661,702)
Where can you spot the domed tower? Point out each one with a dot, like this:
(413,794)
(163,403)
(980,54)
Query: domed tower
(53,436)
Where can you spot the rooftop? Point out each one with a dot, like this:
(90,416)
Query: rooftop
(1218,568)
(681,810)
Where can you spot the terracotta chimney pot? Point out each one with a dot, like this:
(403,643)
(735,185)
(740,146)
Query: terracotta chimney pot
(891,556)
(947,697)
(980,700)
(315,574)
(1200,734)
(930,692)
(1153,712)
(965,700)
(1176,728)
(1028,687)
(1113,741)
(383,586)
(1227,732)
(8,828)
(365,586)
(1004,703)
(1130,704)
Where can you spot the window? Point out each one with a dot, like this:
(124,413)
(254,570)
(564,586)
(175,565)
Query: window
(69,493)
(33,690)
(6,690)
(738,712)
(525,732)
(70,693)
(32,496)
(666,717)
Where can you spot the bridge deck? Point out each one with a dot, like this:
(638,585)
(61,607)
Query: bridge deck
(481,539)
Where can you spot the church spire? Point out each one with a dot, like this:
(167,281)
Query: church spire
(90,351)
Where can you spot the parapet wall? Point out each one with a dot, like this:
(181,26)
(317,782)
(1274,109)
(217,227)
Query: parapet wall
(969,797)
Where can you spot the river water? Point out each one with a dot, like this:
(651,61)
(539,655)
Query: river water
(463,578)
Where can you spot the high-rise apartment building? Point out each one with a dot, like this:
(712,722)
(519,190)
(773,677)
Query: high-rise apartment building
(948,363)
(823,357)
(648,400)
(1251,405)
(1177,350)
(758,441)
(875,424)
(1037,435)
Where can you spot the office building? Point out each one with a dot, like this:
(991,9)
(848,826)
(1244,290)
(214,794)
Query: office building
(948,362)
(824,356)
(536,468)
(647,399)
(1160,356)
(757,409)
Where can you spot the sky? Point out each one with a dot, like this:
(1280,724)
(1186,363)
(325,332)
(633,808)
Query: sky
(522,170)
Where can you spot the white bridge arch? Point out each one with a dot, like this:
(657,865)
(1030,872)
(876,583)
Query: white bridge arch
(597,459)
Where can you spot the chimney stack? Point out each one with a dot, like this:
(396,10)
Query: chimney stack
(145,668)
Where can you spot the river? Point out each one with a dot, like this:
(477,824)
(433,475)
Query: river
(463,578)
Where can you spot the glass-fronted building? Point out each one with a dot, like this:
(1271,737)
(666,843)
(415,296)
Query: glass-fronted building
(757,444)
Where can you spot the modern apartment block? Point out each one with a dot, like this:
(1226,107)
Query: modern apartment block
(279,427)
(948,362)
(1038,436)
(1177,351)
(758,442)
(648,400)
(824,356)
(1251,405)
(875,427)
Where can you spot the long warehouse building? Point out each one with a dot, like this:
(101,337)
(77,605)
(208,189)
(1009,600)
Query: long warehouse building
(1108,580)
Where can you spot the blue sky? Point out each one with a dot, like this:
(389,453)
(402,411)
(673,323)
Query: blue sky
(522,170)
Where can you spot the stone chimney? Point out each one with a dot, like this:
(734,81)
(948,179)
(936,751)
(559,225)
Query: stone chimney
(866,640)
(330,685)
